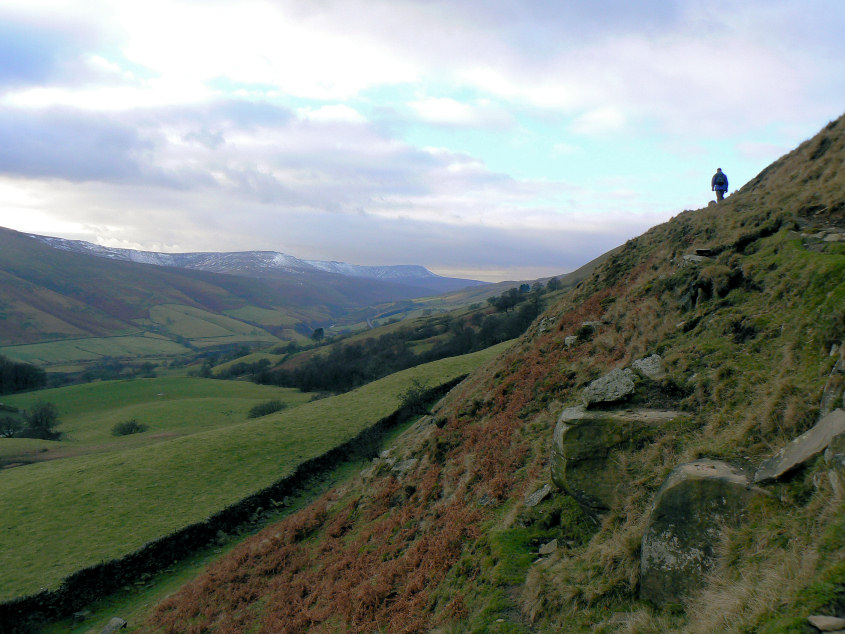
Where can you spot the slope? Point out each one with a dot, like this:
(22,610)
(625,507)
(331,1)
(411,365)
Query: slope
(749,329)
(103,499)
(49,294)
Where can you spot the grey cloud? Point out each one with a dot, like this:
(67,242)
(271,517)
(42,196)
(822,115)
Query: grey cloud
(62,143)
(32,53)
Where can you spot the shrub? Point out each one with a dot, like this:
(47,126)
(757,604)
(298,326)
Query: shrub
(267,407)
(127,427)
(41,422)
(414,400)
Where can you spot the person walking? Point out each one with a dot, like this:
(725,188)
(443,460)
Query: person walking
(719,184)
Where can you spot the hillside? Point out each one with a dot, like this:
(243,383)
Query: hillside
(99,307)
(515,508)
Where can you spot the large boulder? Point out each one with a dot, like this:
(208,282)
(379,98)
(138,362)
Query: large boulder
(582,445)
(614,386)
(804,448)
(684,527)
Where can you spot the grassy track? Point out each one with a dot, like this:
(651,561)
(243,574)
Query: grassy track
(63,515)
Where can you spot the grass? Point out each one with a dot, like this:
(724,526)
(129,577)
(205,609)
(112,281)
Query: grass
(63,515)
(205,328)
(71,351)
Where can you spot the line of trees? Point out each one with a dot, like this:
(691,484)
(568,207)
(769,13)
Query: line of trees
(16,376)
(347,366)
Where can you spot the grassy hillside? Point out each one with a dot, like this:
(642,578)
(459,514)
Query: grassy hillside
(49,294)
(746,331)
(199,455)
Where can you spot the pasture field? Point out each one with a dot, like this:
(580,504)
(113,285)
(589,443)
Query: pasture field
(205,328)
(170,407)
(93,349)
(66,514)
(263,316)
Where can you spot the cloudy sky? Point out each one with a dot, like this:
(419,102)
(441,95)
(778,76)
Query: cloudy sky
(490,139)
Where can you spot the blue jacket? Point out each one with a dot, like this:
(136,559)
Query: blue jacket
(719,181)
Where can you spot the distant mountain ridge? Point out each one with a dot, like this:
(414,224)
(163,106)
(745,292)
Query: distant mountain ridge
(265,264)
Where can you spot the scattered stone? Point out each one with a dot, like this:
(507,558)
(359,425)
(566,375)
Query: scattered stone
(486,500)
(538,496)
(591,324)
(82,615)
(548,548)
(802,449)
(826,623)
(834,237)
(570,340)
(652,367)
(582,443)
(614,386)
(403,467)
(678,547)
(114,625)
(696,259)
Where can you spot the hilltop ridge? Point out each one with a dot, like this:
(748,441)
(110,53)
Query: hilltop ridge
(459,527)
(267,263)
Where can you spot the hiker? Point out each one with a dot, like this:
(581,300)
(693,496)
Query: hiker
(719,184)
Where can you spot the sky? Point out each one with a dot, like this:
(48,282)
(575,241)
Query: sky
(483,139)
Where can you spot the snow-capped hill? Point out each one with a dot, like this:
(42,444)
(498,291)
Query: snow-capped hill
(268,264)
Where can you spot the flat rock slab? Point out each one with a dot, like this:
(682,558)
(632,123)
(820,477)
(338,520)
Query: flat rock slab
(684,528)
(583,441)
(538,496)
(800,450)
(826,623)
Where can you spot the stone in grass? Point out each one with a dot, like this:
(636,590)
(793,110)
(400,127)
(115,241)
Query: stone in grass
(684,528)
(538,496)
(652,367)
(826,623)
(802,449)
(114,625)
(614,386)
(548,548)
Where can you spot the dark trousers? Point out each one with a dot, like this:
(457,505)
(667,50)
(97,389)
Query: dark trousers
(720,195)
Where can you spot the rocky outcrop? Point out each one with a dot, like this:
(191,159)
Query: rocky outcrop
(582,445)
(804,448)
(684,527)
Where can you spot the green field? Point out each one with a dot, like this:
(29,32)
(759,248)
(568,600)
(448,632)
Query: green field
(65,514)
(94,349)
(204,328)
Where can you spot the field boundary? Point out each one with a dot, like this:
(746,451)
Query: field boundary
(26,613)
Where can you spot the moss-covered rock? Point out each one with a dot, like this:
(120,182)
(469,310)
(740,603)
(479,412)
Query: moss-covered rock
(583,442)
(685,524)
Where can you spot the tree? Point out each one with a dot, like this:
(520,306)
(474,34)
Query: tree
(41,422)
(554,284)
(318,334)
(10,427)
